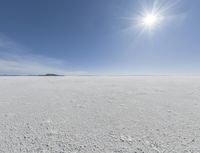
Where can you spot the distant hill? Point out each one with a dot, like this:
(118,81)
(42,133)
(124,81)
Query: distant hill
(48,74)
(51,74)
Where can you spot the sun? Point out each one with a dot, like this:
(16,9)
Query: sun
(153,16)
(150,20)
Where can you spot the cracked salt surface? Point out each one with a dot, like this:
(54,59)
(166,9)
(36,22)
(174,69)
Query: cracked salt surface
(134,114)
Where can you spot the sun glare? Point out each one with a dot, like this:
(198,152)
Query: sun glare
(150,20)
(151,17)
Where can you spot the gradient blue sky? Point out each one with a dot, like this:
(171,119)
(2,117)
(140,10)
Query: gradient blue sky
(97,37)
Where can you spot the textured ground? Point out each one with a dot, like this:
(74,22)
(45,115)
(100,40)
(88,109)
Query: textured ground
(91,114)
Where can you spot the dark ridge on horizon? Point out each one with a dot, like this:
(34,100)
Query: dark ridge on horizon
(48,74)
(100,75)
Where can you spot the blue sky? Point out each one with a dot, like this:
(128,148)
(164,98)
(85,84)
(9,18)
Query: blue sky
(97,37)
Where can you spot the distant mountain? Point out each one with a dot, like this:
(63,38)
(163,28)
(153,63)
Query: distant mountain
(48,74)
(51,74)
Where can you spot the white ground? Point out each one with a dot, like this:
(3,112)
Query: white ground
(135,114)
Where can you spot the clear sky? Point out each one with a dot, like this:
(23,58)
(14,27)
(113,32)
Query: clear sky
(98,37)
